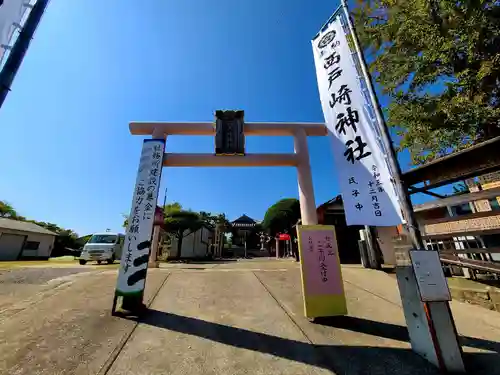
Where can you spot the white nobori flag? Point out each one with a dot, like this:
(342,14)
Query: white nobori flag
(367,189)
(11,13)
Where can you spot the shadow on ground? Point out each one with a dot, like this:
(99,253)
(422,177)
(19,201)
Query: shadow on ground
(340,359)
(400,333)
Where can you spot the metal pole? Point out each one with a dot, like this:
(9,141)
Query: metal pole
(404,197)
(370,247)
(165,199)
(245,244)
(17,53)
(442,333)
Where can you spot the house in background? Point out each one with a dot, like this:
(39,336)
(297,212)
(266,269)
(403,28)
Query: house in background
(476,225)
(23,240)
(242,229)
(195,245)
(332,213)
(245,237)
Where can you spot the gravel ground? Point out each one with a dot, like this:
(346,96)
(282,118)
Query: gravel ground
(36,276)
(69,332)
(22,284)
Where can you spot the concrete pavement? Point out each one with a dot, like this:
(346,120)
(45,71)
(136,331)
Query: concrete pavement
(70,331)
(217,323)
(227,318)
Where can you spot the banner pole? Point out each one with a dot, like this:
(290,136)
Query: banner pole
(404,198)
(16,55)
(325,25)
(442,332)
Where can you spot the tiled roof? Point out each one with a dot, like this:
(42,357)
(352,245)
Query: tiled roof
(244,219)
(23,226)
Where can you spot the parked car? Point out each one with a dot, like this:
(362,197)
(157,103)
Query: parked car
(103,247)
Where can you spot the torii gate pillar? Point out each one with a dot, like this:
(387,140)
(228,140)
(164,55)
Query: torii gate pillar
(304,178)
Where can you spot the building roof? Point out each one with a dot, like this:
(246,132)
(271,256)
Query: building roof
(244,219)
(476,160)
(23,226)
(337,199)
(243,222)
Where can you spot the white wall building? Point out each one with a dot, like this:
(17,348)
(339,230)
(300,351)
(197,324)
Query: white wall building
(195,245)
(20,239)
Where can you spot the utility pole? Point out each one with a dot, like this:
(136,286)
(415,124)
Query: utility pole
(404,198)
(440,343)
(19,49)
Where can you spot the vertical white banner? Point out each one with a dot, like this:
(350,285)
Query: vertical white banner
(11,12)
(367,190)
(135,253)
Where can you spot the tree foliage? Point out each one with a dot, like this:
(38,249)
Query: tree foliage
(180,223)
(66,239)
(7,211)
(281,216)
(171,208)
(83,240)
(125,221)
(215,220)
(460,188)
(439,62)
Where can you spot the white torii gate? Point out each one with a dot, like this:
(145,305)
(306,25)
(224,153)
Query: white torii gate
(299,159)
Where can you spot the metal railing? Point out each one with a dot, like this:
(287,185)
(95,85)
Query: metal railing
(465,252)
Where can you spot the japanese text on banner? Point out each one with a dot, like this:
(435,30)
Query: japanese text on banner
(367,189)
(132,274)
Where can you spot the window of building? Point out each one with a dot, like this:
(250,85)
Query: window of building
(495,206)
(463,209)
(31,245)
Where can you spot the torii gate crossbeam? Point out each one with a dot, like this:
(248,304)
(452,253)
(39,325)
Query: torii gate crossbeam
(299,159)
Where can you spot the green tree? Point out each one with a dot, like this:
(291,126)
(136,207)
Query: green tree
(66,238)
(7,211)
(167,209)
(50,226)
(125,221)
(221,219)
(281,216)
(438,61)
(181,223)
(214,220)
(81,241)
(460,188)
(171,208)
(206,217)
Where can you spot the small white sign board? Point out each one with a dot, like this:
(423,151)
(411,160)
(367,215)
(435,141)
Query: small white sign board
(431,282)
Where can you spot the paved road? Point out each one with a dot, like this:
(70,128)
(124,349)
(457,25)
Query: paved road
(227,318)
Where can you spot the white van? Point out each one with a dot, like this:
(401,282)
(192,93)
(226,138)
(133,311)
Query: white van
(103,247)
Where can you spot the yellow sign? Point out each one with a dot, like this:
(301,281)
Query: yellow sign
(492,185)
(322,286)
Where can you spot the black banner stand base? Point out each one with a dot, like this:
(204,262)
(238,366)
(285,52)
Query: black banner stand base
(129,306)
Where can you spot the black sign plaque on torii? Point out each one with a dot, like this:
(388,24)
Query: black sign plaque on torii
(229,134)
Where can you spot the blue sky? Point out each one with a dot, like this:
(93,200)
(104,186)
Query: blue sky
(67,156)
